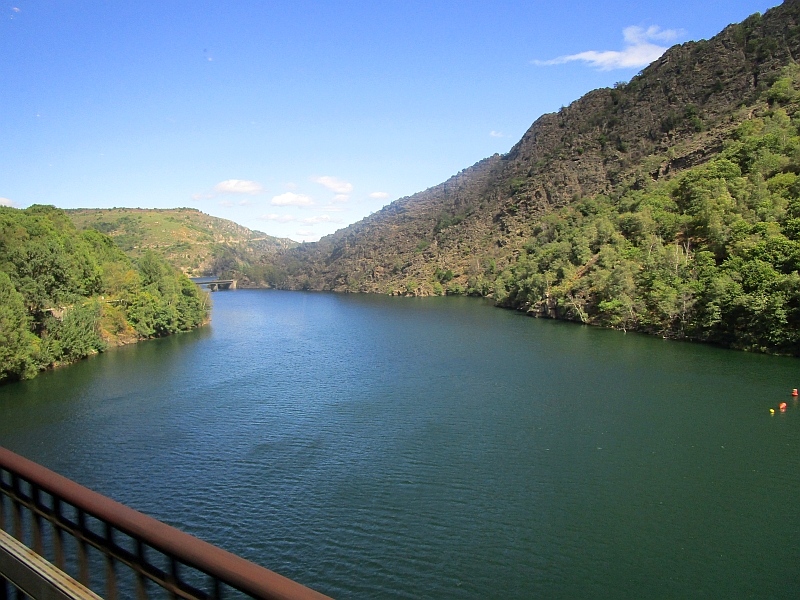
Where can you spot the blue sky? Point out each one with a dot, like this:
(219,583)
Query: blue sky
(297,118)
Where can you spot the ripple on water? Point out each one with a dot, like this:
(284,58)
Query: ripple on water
(406,448)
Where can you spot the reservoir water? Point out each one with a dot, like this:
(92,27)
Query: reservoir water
(378,447)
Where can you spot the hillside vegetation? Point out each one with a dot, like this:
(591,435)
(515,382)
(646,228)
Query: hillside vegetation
(66,294)
(191,241)
(667,204)
(711,254)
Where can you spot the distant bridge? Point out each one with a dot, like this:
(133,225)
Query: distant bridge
(218,284)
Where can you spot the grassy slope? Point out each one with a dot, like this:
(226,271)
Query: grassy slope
(188,239)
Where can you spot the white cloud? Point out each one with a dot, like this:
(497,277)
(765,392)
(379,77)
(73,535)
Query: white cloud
(305,232)
(639,35)
(339,198)
(308,221)
(246,202)
(639,50)
(238,186)
(334,184)
(291,199)
(494,133)
(225,203)
(202,196)
(6,202)
(319,219)
(379,195)
(277,217)
(330,208)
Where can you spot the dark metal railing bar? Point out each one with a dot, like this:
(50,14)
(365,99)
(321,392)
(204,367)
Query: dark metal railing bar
(141,581)
(58,532)
(111,575)
(3,582)
(2,505)
(16,509)
(36,521)
(216,589)
(174,577)
(83,559)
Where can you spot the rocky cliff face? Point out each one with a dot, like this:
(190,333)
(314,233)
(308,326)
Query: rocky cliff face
(673,115)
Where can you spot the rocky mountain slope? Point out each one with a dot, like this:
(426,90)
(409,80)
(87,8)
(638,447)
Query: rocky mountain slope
(190,240)
(457,236)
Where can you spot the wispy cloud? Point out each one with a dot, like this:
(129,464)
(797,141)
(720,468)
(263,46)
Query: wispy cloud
(340,198)
(291,218)
(494,133)
(379,195)
(291,199)
(305,232)
(225,203)
(319,219)
(331,208)
(6,202)
(202,196)
(246,202)
(639,50)
(334,184)
(238,186)
(290,186)
(278,218)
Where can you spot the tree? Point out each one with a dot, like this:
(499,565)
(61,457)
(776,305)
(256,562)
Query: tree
(16,341)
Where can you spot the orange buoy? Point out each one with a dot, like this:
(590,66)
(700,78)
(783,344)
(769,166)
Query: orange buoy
(782,406)
(794,392)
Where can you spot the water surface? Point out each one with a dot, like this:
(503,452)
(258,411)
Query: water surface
(377,447)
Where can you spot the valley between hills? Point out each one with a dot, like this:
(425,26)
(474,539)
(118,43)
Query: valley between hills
(669,204)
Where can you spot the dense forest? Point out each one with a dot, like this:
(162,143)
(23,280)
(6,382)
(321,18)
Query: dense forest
(66,294)
(712,254)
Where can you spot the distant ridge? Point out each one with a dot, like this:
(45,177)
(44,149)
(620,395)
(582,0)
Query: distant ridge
(190,240)
(636,132)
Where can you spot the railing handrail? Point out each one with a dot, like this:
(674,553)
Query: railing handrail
(227,567)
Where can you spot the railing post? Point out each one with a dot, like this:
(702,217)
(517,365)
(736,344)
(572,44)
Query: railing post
(111,575)
(16,507)
(83,559)
(173,574)
(2,501)
(36,521)
(216,589)
(141,580)
(3,582)
(58,534)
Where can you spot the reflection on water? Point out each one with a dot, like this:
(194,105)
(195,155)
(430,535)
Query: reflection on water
(401,447)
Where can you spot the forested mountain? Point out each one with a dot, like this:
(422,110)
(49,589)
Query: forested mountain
(668,204)
(66,294)
(192,241)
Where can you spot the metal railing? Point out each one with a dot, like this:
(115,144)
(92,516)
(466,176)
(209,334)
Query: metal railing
(110,546)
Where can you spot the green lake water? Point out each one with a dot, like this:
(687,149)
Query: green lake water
(377,447)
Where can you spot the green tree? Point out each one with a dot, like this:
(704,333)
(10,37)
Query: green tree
(16,342)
